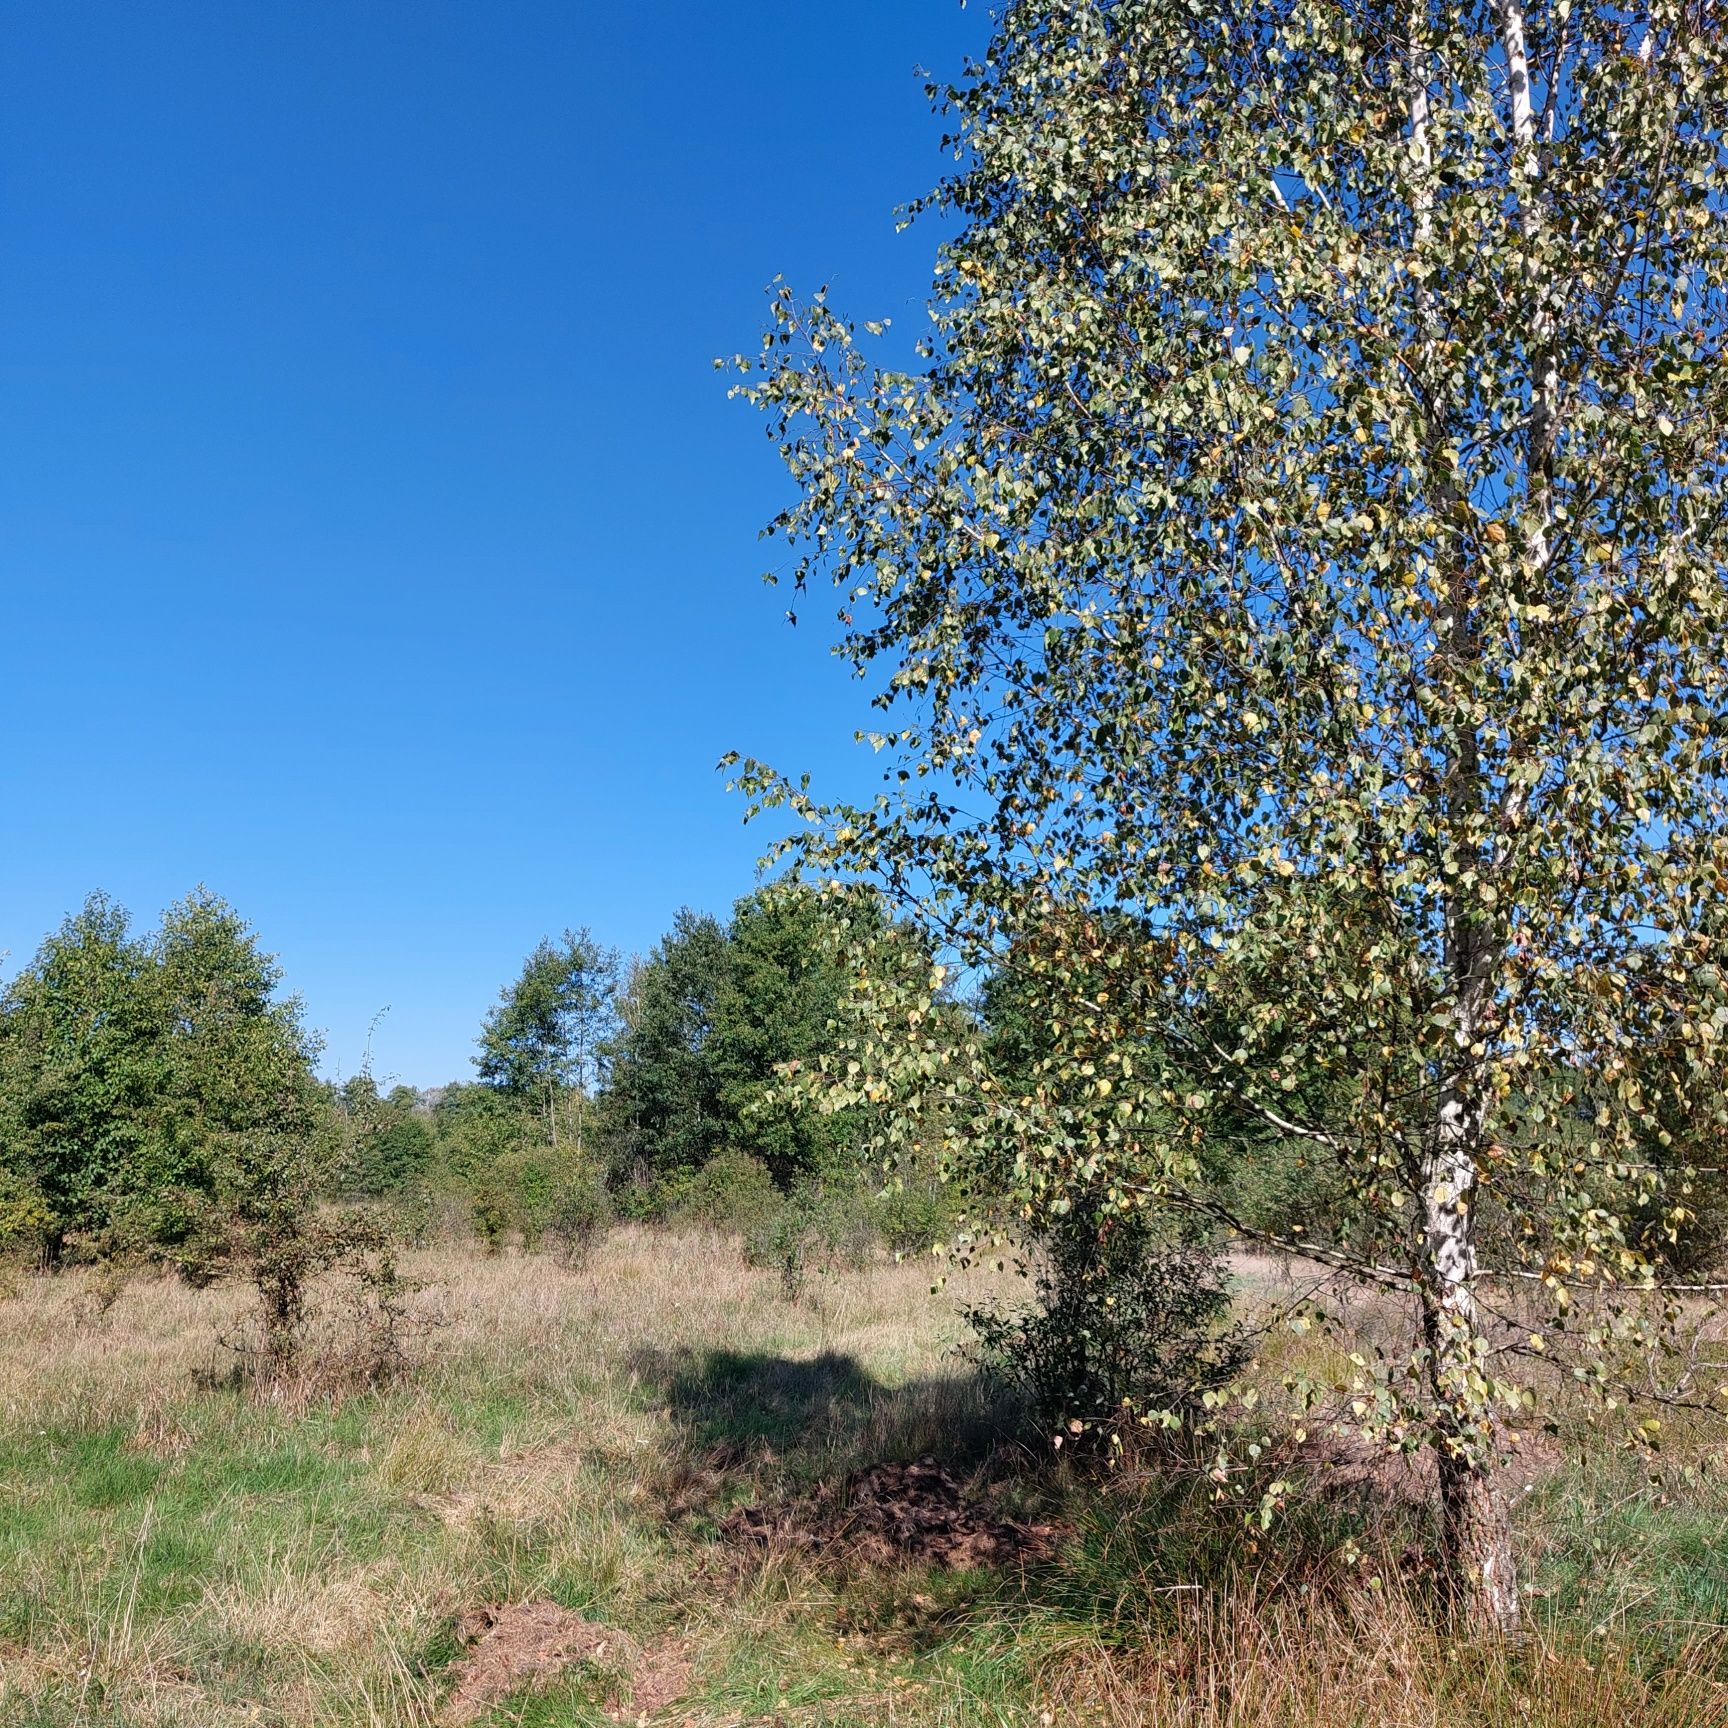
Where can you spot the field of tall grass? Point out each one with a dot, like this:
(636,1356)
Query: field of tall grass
(179,1546)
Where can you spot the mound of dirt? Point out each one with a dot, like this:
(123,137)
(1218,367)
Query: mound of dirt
(892,1513)
(526,1644)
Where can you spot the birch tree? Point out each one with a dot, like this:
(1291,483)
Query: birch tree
(1291,571)
(548,1031)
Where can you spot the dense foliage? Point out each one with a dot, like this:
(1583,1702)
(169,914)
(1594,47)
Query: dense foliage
(710,1020)
(546,1039)
(147,1082)
(1127,1319)
(1293,580)
(158,1101)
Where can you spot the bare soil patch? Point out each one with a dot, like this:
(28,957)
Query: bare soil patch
(517,1646)
(890,1514)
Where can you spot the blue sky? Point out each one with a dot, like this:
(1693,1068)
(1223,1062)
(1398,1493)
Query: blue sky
(377,544)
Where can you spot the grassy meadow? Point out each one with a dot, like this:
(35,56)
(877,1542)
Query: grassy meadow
(178,1547)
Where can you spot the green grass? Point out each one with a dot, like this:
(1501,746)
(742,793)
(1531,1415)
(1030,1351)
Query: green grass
(173,1551)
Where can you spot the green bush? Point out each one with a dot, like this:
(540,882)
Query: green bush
(579,1213)
(1129,1320)
(647,1201)
(426,1210)
(26,1219)
(391,1154)
(732,1193)
(819,1225)
(489,1205)
(535,1191)
(528,1175)
(916,1213)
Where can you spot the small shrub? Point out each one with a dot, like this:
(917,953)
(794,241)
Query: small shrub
(1128,1321)
(535,1192)
(578,1215)
(844,1223)
(732,1193)
(525,1178)
(818,1226)
(780,1240)
(915,1214)
(286,1353)
(490,1211)
(27,1221)
(381,1316)
(421,1214)
(280,1243)
(105,1286)
(642,1201)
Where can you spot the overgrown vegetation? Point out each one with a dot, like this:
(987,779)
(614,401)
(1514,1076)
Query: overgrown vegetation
(182,1551)
(158,1105)
(570,1416)
(1128,1324)
(1293,570)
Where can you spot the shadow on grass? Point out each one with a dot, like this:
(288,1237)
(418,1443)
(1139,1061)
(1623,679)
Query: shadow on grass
(1136,1541)
(1147,1556)
(819,1417)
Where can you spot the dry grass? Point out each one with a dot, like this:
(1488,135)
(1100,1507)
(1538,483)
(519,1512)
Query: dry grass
(176,1551)
(1235,1662)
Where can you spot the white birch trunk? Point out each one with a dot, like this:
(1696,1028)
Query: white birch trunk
(1476,1534)
(1544,378)
(1475,1525)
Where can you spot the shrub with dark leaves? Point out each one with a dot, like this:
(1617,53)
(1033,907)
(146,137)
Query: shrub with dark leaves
(1130,1320)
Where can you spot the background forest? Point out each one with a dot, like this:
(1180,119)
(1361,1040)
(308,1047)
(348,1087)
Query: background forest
(159,1102)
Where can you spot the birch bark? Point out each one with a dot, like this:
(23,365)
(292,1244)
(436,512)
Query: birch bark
(1476,1534)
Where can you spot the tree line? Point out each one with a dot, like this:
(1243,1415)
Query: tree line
(157,1088)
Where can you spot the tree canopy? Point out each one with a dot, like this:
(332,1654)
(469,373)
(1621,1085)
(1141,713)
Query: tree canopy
(549,1029)
(710,1020)
(664,1101)
(149,1085)
(1302,535)
(81,1066)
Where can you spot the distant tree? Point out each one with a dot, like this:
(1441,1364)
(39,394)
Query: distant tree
(711,1021)
(80,1069)
(780,1002)
(663,1105)
(245,1149)
(404,1142)
(550,1029)
(474,1124)
(158,1096)
(388,1142)
(238,1055)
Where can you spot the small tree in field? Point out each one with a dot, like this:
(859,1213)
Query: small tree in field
(244,1143)
(79,1068)
(1295,574)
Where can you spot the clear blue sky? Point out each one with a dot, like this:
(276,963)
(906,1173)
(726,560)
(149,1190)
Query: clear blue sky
(377,545)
